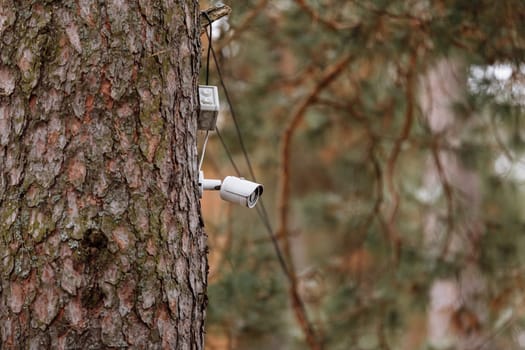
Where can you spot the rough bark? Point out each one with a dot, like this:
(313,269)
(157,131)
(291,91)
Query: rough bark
(101,244)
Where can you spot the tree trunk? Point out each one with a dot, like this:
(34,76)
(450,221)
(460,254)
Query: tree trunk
(457,310)
(101,243)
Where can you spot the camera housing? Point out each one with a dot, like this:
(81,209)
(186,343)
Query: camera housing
(233,189)
(240,191)
(209,107)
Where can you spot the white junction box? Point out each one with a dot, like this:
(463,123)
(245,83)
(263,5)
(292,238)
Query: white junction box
(209,107)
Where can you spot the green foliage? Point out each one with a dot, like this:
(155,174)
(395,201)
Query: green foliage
(365,162)
(249,294)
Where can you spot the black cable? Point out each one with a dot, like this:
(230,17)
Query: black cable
(230,157)
(266,218)
(209,49)
(234,116)
(261,209)
(235,122)
(276,247)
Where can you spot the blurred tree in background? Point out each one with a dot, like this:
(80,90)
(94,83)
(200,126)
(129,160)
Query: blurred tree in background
(389,137)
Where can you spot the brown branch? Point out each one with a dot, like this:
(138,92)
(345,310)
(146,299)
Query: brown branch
(376,210)
(506,151)
(356,115)
(300,314)
(213,14)
(244,23)
(360,118)
(316,17)
(383,344)
(297,115)
(298,112)
(496,332)
(448,195)
(382,12)
(392,160)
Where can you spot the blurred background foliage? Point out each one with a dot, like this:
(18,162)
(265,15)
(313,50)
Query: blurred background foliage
(389,138)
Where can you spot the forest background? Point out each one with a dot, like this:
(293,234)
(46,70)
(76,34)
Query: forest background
(389,138)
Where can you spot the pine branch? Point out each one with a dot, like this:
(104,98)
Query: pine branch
(213,14)
(206,17)
(328,76)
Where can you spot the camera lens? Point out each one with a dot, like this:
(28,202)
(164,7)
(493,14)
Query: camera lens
(252,199)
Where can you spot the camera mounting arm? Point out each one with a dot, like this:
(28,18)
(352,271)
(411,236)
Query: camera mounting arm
(233,189)
(208,184)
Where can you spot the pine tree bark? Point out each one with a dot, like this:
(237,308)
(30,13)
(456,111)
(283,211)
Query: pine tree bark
(101,243)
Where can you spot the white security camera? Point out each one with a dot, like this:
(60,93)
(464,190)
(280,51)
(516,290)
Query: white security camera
(240,191)
(233,189)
